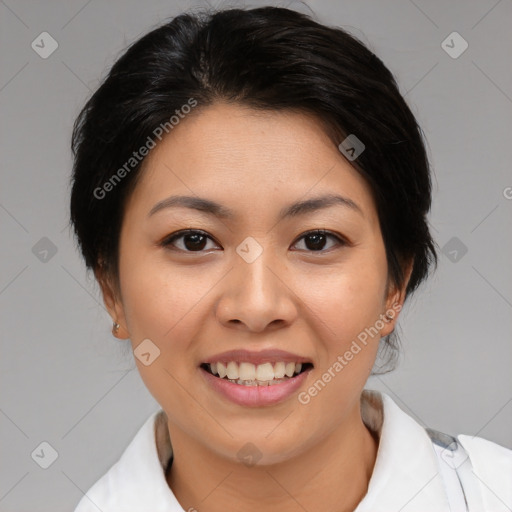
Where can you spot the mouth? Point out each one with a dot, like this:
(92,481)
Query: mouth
(262,375)
(255,385)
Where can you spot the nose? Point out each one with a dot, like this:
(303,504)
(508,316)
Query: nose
(256,296)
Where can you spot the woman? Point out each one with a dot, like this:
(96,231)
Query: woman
(251,192)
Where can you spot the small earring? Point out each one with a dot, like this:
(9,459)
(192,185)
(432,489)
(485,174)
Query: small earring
(115,328)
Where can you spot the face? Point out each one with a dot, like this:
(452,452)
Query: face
(253,276)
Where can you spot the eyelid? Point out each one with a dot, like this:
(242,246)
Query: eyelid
(166,242)
(321,231)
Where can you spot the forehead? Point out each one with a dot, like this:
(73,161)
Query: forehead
(244,157)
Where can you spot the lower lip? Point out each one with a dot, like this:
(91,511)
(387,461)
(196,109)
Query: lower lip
(255,396)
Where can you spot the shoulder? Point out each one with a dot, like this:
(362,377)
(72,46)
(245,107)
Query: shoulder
(136,481)
(485,454)
(492,469)
(100,495)
(472,472)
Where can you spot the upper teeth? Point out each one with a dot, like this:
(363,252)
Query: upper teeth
(249,371)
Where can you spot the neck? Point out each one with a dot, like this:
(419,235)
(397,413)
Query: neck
(331,475)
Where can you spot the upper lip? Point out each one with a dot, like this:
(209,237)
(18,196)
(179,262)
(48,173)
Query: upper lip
(259,357)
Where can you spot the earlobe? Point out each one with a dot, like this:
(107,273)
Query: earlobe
(395,302)
(113,304)
(119,332)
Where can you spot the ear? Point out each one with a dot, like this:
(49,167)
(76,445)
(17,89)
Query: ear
(112,300)
(394,302)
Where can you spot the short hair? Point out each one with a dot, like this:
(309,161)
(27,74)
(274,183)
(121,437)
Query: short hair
(267,58)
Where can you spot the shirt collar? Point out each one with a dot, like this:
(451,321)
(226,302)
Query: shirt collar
(405,476)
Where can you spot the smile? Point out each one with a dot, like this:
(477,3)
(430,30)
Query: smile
(249,374)
(251,385)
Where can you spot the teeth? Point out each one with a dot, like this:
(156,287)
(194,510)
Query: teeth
(247,371)
(279,370)
(265,372)
(249,374)
(232,370)
(258,382)
(221,370)
(289,369)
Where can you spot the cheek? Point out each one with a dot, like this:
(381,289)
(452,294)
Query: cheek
(163,307)
(161,304)
(349,298)
(347,310)
(158,299)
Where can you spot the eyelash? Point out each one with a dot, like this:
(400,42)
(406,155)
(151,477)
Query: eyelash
(168,241)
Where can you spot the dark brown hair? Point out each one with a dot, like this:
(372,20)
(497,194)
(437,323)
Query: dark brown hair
(268,58)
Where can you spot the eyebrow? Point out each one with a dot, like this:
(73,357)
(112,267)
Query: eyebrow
(218,210)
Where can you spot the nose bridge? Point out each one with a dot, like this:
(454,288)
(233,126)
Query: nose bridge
(256,268)
(255,293)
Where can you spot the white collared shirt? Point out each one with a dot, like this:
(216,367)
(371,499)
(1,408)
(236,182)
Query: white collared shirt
(407,476)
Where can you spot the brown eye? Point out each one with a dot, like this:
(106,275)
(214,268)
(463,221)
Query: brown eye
(191,240)
(316,240)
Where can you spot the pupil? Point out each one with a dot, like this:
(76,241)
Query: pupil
(317,243)
(197,243)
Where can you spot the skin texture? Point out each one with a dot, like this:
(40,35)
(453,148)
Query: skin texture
(195,304)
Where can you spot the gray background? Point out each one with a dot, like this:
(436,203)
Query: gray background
(64,378)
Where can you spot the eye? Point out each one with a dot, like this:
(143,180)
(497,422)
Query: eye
(315,240)
(193,240)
